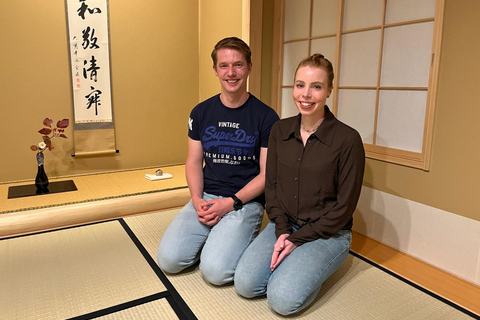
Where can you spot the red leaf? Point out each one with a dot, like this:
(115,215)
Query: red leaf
(47,141)
(45,131)
(63,123)
(33,148)
(63,136)
(50,147)
(47,122)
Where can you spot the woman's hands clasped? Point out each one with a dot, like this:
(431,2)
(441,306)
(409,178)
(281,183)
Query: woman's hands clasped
(281,250)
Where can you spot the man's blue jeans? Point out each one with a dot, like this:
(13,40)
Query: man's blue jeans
(295,283)
(219,248)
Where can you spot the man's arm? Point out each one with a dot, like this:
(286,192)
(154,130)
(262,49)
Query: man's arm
(194,172)
(257,185)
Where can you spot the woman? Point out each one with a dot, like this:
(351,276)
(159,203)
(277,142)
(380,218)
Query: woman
(314,175)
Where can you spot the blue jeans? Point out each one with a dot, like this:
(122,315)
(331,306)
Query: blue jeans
(219,248)
(295,283)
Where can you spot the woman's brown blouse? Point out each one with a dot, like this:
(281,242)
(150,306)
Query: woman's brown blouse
(315,186)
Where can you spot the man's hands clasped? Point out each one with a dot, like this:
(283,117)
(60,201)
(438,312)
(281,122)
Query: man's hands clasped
(211,212)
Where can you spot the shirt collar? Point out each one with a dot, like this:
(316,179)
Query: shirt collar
(324,133)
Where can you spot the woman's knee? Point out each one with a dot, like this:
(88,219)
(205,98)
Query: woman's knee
(287,295)
(281,307)
(249,279)
(244,284)
(283,303)
(216,273)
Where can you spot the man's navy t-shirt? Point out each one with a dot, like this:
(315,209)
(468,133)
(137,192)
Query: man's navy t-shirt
(231,140)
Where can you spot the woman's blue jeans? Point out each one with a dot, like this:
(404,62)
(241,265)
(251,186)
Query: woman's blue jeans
(295,283)
(219,248)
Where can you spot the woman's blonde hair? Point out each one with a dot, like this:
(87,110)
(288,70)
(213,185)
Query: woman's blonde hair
(317,60)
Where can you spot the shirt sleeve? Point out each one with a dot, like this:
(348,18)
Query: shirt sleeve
(194,125)
(274,210)
(270,119)
(351,168)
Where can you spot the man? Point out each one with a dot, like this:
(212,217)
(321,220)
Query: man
(225,170)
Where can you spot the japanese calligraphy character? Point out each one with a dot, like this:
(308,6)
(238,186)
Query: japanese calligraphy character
(89,39)
(84,7)
(93,69)
(94,99)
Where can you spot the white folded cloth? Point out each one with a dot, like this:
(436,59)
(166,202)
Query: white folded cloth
(155,177)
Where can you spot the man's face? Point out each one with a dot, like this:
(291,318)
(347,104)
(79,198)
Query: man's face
(232,70)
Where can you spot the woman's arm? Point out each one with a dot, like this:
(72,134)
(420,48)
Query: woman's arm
(274,210)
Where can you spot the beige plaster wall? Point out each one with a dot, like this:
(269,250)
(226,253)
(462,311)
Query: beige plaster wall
(160,65)
(217,19)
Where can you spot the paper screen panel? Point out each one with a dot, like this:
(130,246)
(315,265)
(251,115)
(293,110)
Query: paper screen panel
(325,46)
(357,109)
(359,60)
(407,55)
(297,19)
(293,53)
(288,106)
(324,17)
(362,14)
(407,10)
(401,118)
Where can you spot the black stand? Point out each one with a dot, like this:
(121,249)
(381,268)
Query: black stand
(31,190)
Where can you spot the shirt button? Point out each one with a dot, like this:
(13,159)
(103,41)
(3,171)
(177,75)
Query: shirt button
(295,197)
(299,159)
(296,179)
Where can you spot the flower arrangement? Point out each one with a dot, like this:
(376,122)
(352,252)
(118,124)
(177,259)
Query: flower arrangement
(57,131)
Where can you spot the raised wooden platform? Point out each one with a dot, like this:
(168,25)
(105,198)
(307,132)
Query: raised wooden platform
(99,197)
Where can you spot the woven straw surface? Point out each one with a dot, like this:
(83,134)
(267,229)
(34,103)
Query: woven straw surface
(75,271)
(356,291)
(159,309)
(70,272)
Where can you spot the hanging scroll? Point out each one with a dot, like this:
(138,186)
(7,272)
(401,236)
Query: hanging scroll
(90,68)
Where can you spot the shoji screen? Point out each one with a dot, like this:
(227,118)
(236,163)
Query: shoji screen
(385,54)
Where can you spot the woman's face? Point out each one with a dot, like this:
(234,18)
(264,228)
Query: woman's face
(310,91)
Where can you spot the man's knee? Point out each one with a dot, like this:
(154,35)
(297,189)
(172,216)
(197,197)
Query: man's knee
(169,260)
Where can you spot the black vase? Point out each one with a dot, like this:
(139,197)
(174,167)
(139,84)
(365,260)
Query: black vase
(41,180)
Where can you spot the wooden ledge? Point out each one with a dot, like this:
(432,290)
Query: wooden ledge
(99,197)
(50,218)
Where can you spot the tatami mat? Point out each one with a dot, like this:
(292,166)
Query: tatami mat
(104,270)
(357,290)
(159,309)
(71,272)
